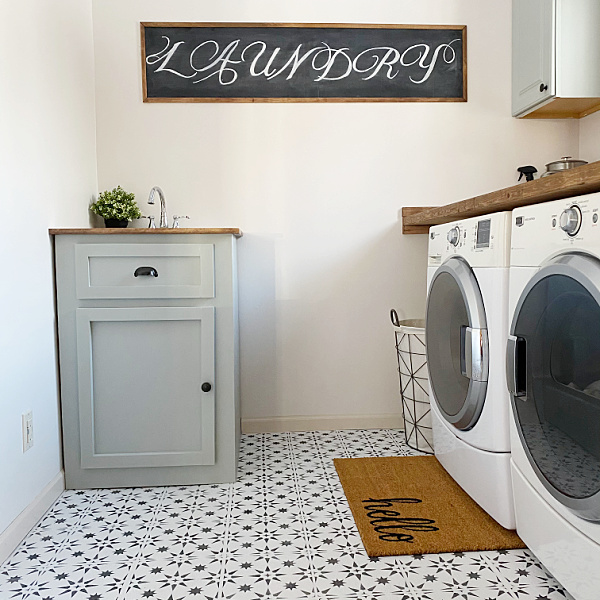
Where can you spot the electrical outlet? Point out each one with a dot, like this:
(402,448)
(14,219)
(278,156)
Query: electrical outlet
(27,425)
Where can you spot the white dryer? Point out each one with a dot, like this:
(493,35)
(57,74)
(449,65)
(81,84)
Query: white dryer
(467,326)
(553,369)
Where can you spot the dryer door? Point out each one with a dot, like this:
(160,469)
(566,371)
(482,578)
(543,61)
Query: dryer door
(457,343)
(553,362)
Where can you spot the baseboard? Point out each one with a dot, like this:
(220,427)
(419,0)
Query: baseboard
(321,423)
(13,535)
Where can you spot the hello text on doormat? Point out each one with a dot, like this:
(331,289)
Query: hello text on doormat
(389,523)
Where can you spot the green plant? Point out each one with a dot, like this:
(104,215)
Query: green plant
(116,204)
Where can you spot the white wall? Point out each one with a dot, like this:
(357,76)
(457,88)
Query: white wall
(47,177)
(589,138)
(317,189)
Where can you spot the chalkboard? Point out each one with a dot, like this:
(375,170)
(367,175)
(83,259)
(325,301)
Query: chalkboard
(253,62)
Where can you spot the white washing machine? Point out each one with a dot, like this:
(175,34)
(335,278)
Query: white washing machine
(553,368)
(467,327)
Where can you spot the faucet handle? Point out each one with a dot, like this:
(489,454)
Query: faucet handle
(151,223)
(176,220)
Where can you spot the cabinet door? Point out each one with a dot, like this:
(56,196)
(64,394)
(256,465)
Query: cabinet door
(533,58)
(140,377)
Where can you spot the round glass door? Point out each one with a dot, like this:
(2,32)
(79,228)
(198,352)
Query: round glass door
(556,334)
(456,342)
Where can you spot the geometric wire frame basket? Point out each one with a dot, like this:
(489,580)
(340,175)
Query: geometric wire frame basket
(412,369)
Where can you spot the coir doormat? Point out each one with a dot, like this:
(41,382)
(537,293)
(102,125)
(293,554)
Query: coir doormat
(410,505)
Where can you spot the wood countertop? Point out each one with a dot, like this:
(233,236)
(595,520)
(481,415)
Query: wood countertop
(136,230)
(574,182)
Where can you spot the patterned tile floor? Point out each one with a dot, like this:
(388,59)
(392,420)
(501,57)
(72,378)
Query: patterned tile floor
(283,530)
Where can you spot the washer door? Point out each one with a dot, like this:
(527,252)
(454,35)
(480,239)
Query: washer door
(457,343)
(553,362)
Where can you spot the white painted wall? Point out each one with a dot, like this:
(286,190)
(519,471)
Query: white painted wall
(589,138)
(317,189)
(47,178)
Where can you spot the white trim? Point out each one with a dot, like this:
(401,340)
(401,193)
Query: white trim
(321,423)
(14,534)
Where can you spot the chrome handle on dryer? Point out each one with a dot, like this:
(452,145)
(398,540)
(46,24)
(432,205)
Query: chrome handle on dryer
(474,358)
(515,366)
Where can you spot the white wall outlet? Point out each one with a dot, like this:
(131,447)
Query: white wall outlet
(27,424)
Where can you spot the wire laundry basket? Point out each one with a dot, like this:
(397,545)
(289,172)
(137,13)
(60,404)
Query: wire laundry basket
(414,386)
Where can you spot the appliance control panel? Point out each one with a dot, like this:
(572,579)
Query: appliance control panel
(543,230)
(482,241)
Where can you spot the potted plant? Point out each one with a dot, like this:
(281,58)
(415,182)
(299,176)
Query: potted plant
(117,207)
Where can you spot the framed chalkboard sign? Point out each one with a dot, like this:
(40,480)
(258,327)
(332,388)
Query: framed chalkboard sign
(277,62)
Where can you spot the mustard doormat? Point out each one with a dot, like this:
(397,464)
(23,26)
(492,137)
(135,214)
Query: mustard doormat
(410,505)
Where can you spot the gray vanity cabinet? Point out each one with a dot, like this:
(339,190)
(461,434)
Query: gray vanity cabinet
(148,349)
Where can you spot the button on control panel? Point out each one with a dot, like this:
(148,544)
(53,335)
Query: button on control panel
(570,220)
(454,236)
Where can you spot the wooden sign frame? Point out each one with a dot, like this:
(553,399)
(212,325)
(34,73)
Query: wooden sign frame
(417,59)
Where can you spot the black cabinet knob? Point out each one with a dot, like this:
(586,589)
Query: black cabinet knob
(206,387)
(145,272)
(543,87)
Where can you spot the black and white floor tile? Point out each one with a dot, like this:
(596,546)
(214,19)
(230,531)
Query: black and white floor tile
(282,531)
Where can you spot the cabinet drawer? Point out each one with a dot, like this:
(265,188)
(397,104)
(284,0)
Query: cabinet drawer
(109,271)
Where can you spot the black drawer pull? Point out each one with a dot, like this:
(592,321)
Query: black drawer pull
(145,271)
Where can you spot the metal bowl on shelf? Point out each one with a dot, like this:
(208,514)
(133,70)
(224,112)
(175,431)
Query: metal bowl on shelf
(564,164)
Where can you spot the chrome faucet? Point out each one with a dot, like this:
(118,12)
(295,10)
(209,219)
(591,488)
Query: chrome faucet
(163,206)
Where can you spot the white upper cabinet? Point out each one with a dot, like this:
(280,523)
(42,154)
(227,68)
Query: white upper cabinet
(533,53)
(556,58)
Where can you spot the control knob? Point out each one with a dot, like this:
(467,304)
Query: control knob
(570,220)
(454,236)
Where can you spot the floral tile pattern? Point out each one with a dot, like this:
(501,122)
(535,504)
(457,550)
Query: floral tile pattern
(283,531)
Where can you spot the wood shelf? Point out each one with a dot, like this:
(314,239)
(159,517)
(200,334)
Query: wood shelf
(574,182)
